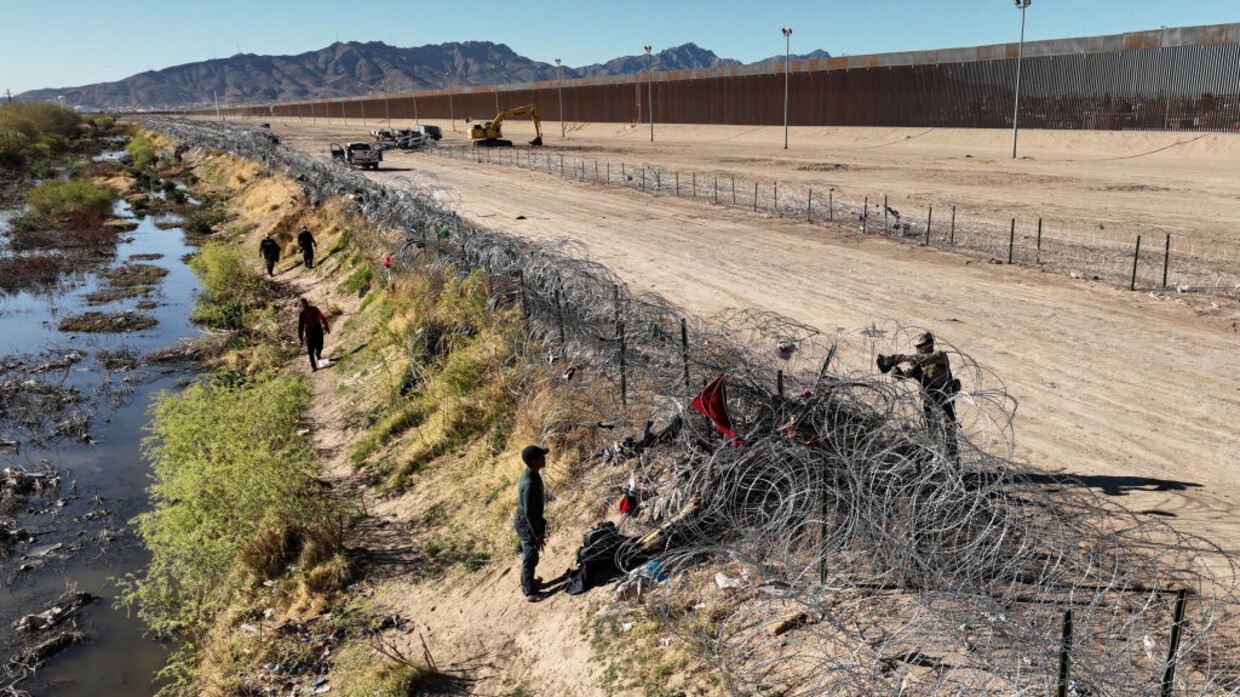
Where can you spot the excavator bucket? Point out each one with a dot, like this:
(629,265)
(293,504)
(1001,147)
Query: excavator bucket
(537,141)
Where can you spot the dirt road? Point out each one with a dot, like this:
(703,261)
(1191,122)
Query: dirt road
(1138,393)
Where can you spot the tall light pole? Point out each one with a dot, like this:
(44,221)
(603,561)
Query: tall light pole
(495,77)
(650,89)
(387,110)
(363,103)
(451,113)
(1020,54)
(559,70)
(787,67)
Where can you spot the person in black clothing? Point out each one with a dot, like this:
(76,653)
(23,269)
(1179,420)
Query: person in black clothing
(933,371)
(529,522)
(311,326)
(270,250)
(306,241)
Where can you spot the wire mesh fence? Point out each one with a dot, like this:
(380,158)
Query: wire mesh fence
(1082,250)
(828,531)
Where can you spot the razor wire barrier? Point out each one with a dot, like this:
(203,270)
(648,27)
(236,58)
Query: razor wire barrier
(836,543)
(1081,250)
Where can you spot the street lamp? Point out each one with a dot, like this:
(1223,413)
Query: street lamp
(559,70)
(1020,54)
(363,103)
(787,66)
(650,89)
(387,110)
(495,77)
(451,113)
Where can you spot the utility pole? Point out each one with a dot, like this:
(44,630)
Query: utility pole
(650,89)
(495,77)
(451,113)
(215,93)
(1021,5)
(787,67)
(559,69)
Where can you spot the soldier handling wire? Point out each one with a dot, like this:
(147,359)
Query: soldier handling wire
(933,371)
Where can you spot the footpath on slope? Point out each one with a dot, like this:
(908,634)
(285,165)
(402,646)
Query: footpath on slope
(1130,393)
(478,628)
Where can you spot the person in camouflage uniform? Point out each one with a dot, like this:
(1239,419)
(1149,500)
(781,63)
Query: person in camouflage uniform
(933,371)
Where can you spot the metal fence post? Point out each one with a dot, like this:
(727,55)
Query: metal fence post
(694,184)
(678,185)
(809,207)
(929,220)
(952,239)
(624,381)
(779,383)
(643,178)
(1166,259)
(733,189)
(1136,256)
(1039,255)
(1065,657)
(885,209)
(1012,241)
(716,191)
(831,204)
(865,215)
(1177,626)
(775,199)
(755,197)
(609,173)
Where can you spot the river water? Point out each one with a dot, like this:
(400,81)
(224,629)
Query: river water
(103,485)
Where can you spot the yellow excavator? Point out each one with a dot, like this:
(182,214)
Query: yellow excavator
(489,135)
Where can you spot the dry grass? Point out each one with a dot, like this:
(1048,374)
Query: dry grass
(135,275)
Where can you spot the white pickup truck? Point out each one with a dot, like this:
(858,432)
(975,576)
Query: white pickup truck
(358,154)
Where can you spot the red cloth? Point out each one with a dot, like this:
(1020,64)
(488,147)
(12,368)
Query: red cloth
(713,403)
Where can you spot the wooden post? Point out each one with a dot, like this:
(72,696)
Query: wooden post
(559,315)
(1166,259)
(929,220)
(1012,241)
(1177,627)
(809,207)
(779,383)
(733,189)
(952,239)
(865,215)
(684,352)
(695,184)
(1065,656)
(716,191)
(885,207)
(775,200)
(831,204)
(678,185)
(1038,258)
(1136,256)
(624,378)
(755,197)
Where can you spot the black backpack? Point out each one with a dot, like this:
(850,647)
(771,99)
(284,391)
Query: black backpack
(596,558)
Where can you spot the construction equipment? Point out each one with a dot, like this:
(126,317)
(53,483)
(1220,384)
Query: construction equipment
(489,135)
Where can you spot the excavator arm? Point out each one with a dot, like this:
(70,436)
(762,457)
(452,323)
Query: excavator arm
(492,132)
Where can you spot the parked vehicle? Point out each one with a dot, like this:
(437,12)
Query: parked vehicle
(490,135)
(357,154)
(432,132)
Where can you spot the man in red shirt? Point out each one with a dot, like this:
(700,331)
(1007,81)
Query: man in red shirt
(311,326)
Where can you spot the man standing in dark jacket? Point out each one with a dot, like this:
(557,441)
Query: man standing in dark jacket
(306,241)
(529,522)
(933,371)
(311,326)
(270,250)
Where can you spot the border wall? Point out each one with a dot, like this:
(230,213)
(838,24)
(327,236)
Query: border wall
(1184,78)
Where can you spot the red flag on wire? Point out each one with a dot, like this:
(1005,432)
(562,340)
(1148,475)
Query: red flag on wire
(713,403)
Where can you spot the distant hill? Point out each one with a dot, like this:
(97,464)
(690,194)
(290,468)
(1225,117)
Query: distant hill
(348,69)
(798,57)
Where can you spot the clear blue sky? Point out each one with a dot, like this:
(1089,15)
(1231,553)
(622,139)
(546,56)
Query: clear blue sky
(66,43)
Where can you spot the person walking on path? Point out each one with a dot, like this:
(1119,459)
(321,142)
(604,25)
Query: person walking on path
(270,250)
(933,371)
(529,522)
(311,326)
(306,241)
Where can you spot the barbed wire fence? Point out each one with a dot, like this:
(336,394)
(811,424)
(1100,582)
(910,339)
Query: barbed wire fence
(1083,250)
(842,541)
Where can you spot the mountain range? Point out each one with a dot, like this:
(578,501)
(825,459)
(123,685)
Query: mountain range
(351,69)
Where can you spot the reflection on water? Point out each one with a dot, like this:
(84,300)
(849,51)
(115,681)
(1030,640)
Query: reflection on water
(103,485)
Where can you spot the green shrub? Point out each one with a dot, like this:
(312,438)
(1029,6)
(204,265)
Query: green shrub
(232,499)
(72,200)
(35,119)
(14,147)
(230,286)
(142,150)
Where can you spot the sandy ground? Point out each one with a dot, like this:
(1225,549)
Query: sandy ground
(1137,393)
